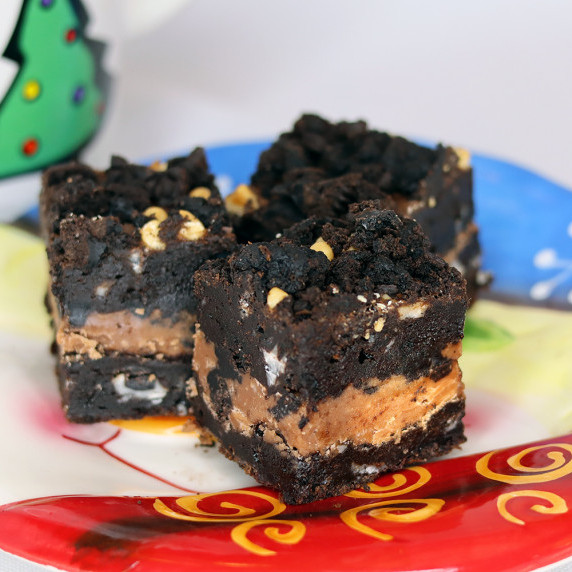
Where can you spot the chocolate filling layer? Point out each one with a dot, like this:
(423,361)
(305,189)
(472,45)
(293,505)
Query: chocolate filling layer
(356,416)
(128,333)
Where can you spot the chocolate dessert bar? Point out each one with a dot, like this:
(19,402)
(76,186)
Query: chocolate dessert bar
(431,185)
(122,247)
(329,355)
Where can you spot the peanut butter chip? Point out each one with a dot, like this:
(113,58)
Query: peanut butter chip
(150,235)
(201,192)
(275,296)
(156,212)
(158,166)
(378,324)
(192,228)
(322,246)
(150,230)
(239,199)
(464,158)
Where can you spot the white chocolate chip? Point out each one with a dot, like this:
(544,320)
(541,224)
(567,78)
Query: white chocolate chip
(103,288)
(432,201)
(201,192)
(378,324)
(135,259)
(362,299)
(192,228)
(275,296)
(412,311)
(322,246)
(238,201)
(140,312)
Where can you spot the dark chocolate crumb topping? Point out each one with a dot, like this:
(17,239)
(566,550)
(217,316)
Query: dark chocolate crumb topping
(375,250)
(393,164)
(125,190)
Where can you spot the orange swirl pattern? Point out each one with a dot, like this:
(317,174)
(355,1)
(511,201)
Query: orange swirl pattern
(394,510)
(556,462)
(292,536)
(399,485)
(558,467)
(557,505)
(249,517)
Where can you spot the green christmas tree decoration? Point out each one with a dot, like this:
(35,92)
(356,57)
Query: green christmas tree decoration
(56,101)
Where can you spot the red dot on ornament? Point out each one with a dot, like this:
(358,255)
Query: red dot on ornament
(30,147)
(71,35)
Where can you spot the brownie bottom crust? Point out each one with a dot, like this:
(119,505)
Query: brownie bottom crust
(120,386)
(313,477)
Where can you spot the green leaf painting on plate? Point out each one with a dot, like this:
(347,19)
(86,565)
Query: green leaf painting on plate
(484,335)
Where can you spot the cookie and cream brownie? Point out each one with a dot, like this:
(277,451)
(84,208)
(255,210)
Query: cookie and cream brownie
(329,356)
(431,185)
(122,246)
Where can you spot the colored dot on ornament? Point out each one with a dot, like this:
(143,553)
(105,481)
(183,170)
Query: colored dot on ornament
(79,94)
(47,3)
(71,35)
(30,147)
(31,90)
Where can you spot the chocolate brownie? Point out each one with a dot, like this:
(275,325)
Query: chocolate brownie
(328,356)
(296,178)
(123,245)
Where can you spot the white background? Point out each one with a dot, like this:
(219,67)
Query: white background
(492,75)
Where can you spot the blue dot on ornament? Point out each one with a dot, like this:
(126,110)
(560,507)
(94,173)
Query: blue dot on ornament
(46,3)
(78,94)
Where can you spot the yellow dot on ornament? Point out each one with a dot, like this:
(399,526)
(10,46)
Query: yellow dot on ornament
(31,90)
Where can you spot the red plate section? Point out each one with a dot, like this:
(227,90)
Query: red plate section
(505,510)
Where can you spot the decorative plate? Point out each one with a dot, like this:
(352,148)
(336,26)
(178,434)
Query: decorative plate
(147,495)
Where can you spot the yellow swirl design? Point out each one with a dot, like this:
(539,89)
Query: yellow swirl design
(292,536)
(557,504)
(394,488)
(386,510)
(558,467)
(233,512)
(239,513)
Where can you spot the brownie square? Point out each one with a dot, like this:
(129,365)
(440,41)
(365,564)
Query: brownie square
(329,355)
(298,176)
(123,245)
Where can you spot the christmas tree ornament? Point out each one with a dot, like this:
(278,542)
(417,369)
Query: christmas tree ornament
(51,97)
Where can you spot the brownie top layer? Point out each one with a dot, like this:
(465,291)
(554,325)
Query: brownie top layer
(393,164)
(369,250)
(304,193)
(131,237)
(124,191)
